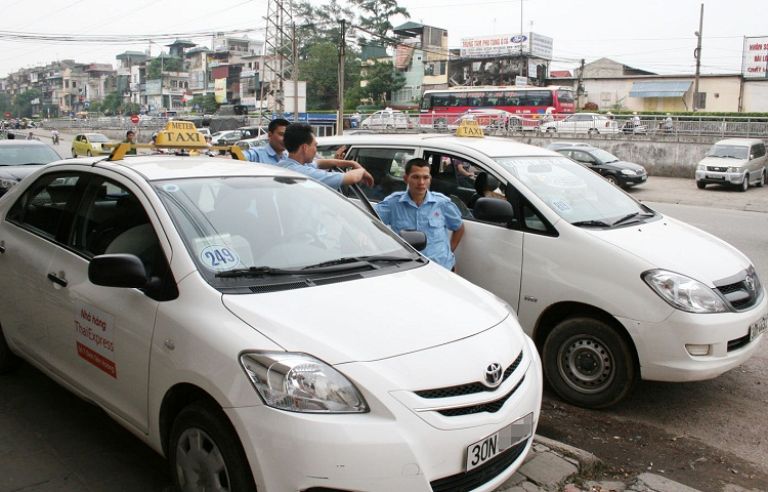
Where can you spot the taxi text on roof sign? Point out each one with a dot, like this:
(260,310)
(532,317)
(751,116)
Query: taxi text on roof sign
(469,128)
(180,134)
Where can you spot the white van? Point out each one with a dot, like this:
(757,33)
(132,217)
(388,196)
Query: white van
(609,289)
(735,162)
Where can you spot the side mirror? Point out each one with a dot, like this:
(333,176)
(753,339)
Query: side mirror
(417,239)
(494,210)
(118,270)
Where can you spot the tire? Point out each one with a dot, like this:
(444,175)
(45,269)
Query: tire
(551,130)
(761,183)
(588,363)
(88,153)
(8,359)
(744,186)
(592,131)
(205,453)
(701,185)
(74,154)
(613,180)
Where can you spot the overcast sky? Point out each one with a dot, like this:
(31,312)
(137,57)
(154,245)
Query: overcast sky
(654,35)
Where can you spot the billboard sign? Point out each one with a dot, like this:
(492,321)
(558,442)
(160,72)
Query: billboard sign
(507,45)
(220,90)
(754,62)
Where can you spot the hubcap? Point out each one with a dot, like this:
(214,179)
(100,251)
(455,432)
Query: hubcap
(585,364)
(199,463)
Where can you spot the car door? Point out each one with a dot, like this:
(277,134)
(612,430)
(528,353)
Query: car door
(587,160)
(31,234)
(77,146)
(100,337)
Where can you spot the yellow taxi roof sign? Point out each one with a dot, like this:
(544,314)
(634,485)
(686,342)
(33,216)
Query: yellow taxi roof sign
(180,134)
(469,128)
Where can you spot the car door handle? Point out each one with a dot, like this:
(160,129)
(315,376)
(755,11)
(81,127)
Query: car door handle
(56,280)
(2,247)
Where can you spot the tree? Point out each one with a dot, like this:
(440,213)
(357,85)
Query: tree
(112,103)
(375,15)
(206,103)
(320,71)
(22,105)
(383,80)
(167,63)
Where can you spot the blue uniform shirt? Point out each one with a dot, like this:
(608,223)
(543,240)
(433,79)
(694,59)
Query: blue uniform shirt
(265,154)
(331,180)
(435,217)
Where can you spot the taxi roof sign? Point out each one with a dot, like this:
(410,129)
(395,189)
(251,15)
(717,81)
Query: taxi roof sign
(180,134)
(469,128)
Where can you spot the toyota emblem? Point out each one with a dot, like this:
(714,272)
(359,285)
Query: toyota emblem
(493,374)
(750,283)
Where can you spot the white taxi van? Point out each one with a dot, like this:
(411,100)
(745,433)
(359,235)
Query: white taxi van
(609,289)
(229,315)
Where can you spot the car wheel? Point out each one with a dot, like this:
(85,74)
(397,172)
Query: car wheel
(8,359)
(205,453)
(551,130)
(88,153)
(701,185)
(761,183)
(612,179)
(588,363)
(745,184)
(592,131)
(74,154)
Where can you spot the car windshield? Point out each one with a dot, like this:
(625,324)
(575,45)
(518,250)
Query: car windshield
(254,227)
(573,192)
(97,137)
(729,151)
(604,156)
(17,155)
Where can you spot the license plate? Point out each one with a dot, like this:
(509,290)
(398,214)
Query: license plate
(643,178)
(486,449)
(758,327)
(713,176)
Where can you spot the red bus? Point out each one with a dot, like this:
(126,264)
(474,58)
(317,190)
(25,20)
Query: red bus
(445,106)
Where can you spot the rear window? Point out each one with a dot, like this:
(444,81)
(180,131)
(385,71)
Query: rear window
(19,155)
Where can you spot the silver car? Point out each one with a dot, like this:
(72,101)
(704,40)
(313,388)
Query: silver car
(735,162)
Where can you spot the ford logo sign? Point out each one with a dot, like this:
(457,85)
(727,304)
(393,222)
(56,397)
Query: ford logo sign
(520,38)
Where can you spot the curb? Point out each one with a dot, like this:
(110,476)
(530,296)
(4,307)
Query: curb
(588,462)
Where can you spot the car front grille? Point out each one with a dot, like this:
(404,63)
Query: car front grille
(490,407)
(717,169)
(739,296)
(482,474)
(469,388)
(737,343)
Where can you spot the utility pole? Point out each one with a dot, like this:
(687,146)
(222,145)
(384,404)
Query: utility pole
(580,85)
(279,43)
(697,54)
(342,57)
(295,74)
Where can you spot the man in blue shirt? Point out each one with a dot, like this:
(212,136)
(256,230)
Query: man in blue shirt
(302,147)
(419,209)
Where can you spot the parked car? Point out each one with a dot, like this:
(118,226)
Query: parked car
(387,119)
(90,144)
(253,131)
(591,123)
(19,158)
(621,173)
(590,271)
(735,162)
(250,143)
(205,131)
(226,137)
(492,119)
(198,301)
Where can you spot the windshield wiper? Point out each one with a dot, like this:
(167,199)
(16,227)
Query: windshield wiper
(591,223)
(361,259)
(257,271)
(628,217)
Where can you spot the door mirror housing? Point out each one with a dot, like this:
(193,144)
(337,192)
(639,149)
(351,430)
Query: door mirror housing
(417,239)
(494,210)
(118,270)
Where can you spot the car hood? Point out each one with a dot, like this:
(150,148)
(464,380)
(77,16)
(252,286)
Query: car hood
(676,246)
(372,318)
(19,172)
(722,162)
(626,165)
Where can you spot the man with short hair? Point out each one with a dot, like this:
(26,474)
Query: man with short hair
(130,139)
(418,209)
(301,145)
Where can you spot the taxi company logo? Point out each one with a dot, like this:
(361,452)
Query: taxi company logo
(750,283)
(493,374)
(518,39)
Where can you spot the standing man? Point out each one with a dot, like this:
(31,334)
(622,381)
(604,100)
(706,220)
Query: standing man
(130,138)
(430,212)
(302,147)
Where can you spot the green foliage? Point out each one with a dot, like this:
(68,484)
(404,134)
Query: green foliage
(375,15)
(166,63)
(383,80)
(22,105)
(319,69)
(6,105)
(207,103)
(111,104)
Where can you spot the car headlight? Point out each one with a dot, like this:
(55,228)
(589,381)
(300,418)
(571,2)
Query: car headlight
(298,382)
(735,169)
(7,183)
(701,167)
(628,172)
(684,293)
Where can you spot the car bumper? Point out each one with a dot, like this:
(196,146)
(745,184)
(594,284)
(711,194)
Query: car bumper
(393,447)
(728,178)
(662,350)
(626,180)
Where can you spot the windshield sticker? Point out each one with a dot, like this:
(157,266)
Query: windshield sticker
(561,205)
(170,188)
(219,257)
(95,338)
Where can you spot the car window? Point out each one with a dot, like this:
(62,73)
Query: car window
(48,204)
(452,175)
(580,156)
(758,150)
(15,155)
(386,165)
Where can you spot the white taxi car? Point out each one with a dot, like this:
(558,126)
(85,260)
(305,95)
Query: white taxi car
(230,315)
(610,290)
